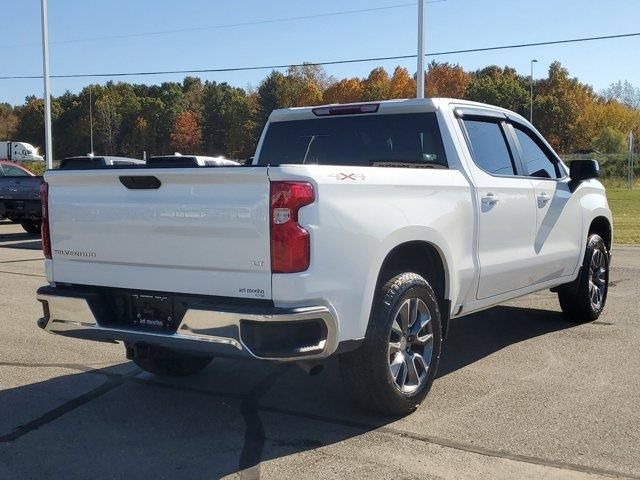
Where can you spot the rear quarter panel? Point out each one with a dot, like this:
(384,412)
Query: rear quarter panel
(359,216)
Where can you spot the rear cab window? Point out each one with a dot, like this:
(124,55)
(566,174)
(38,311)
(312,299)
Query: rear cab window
(11,171)
(379,140)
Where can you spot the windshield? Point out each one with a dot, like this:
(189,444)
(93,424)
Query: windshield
(363,140)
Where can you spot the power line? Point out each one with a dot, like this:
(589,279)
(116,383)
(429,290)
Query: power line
(226,25)
(332,62)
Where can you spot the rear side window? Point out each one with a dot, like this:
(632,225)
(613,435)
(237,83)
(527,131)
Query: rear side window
(363,140)
(489,147)
(11,171)
(536,162)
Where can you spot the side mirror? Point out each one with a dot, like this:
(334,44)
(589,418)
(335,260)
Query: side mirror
(580,170)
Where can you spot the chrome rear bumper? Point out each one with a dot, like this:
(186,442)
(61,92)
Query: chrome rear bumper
(201,331)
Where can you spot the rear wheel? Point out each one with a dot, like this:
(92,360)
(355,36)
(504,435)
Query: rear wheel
(169,363)
(392,372)
(31,226)
(585,301)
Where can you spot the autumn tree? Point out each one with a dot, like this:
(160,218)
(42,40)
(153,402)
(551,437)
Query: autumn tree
(31,121)
(193,91)
(377,86)
(446,80)
(348,90)
(228,116)
(108,120)
(499,86)
(271,95)
(8,122)
(558,107)
(402,84)
(610,140)
(186,134)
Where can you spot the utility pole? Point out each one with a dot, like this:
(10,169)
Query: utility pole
(630,161)
(91,117)
(531,92)
(45,75)
(420,73)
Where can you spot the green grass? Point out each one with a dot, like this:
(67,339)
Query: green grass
(625,205)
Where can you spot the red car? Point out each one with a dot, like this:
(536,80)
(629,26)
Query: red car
(20,196)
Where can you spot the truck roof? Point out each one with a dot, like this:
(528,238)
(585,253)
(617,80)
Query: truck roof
(411,105)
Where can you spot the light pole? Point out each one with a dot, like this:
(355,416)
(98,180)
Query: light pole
(45,75)
(420,73)
(91,116)
(531,85)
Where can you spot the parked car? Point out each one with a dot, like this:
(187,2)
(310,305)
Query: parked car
(100,161)
(360,231)
(179,160)
(20,196)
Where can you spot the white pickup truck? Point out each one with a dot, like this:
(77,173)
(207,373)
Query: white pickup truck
(359,231)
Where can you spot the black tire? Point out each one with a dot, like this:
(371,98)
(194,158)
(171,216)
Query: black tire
(168,363)
(367,372)
(576,301)
(31,226)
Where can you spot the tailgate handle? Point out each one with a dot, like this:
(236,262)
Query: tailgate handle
(140,182)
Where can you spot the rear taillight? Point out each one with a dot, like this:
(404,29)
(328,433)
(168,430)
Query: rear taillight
(46,237)
(290,245)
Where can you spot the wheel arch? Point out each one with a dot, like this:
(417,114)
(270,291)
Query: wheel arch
(425,259)
(602,226)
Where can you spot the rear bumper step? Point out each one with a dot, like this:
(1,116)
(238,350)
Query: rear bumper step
(266,333)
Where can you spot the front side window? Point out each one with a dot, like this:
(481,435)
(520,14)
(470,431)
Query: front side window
(489,147)
(535,161)
(411,139)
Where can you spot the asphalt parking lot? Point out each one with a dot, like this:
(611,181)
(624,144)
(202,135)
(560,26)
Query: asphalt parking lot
(521,393)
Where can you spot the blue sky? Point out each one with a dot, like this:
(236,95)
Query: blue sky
(451,25)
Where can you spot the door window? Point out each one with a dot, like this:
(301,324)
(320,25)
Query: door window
(489,147)
(535,161)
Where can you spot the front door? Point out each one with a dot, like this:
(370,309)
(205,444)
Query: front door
(558,233)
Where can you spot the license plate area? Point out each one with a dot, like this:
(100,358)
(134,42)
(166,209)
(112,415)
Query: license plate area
(17,205)
(152,312)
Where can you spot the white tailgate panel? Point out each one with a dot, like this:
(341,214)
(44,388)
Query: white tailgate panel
(204,231)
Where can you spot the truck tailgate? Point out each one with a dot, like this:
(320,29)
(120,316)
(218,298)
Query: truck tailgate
(203,231)
(20,188)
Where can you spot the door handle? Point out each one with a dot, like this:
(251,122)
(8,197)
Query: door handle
(489,199)
(543,198)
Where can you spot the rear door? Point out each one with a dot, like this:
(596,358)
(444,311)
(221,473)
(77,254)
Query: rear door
(505,199)
(192,230)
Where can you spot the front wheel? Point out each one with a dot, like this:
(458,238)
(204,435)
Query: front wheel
(31,226)
(585,301)
(169,363)
(392,372)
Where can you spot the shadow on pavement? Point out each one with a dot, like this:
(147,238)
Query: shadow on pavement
(476,336)
(117,422)
(31,244)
